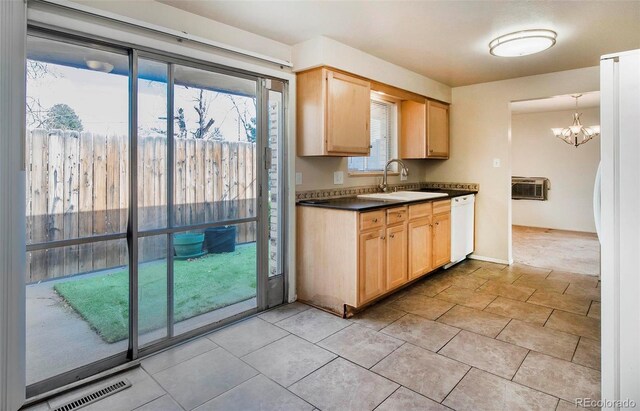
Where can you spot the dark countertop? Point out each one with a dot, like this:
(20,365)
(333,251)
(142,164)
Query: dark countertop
(363,204)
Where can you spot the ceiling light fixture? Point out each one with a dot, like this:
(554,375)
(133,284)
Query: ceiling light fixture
(98,65)
(522,43)
(576,134)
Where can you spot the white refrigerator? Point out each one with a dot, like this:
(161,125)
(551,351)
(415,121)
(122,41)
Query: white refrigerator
(618,201)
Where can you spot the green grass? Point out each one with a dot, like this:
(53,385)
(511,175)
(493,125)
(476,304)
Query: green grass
(200,286)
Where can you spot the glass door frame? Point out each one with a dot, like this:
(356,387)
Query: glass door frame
(132,235)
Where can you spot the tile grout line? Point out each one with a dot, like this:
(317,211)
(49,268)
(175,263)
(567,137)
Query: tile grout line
(471,367)
(520,366)
(576,349)
(174,347)
(284,318)
(503,328)
(590,305)
(306,375)
(549,317)
(393,322)
(442,315)
(387,397)
(168,393)
(447,343)
(280,385)
(383,358)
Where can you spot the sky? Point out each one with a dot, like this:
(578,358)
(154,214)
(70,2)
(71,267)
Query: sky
(101,101)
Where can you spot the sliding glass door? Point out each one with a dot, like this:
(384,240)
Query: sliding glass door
(197,198)
(77,200)
(154,193)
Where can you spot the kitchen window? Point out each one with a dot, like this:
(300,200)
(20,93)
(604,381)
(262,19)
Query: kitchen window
(383,139)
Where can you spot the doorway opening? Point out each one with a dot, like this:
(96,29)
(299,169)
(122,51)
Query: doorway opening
(553,223)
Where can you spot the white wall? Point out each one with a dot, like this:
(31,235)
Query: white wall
(317,173)
(536,152)
(170,17)
(481,132)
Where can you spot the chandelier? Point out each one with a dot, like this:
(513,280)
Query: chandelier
(576,134)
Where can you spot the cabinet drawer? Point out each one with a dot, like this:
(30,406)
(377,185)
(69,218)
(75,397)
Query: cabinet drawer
(419,210)
(373,219)
(396,215)
(443,206)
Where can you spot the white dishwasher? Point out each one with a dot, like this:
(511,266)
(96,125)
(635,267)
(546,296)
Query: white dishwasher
(462,227)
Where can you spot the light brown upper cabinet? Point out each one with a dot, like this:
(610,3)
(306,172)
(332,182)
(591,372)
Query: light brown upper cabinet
(424,129)
(437,130)
(333,114)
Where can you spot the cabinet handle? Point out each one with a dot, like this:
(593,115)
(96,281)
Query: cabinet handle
(375,220)
(392,236)
(399,215)
(431,151)
(438,223)
(382,238)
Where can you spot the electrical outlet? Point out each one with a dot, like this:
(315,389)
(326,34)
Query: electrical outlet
(298,178)
(338,177)
(496,162)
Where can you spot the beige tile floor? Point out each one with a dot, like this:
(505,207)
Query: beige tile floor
(479,336)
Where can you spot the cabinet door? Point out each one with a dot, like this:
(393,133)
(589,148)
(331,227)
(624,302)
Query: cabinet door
(420,248)
(437,130)
(348,114)
(413,132)
(371,265)
(441,239)
(396,256)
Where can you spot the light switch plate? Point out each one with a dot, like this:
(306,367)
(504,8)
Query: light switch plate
(338,177)
(496,162)
(298,178)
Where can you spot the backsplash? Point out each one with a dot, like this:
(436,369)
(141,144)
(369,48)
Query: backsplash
(354,191)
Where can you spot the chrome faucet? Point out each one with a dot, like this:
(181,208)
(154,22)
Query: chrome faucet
(403,172)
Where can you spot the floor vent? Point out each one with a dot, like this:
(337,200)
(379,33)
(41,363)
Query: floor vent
(97,395)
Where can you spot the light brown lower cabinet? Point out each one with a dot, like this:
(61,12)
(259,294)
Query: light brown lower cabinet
(441,239)
(396,256)
(348,258)
(420,242)
(371,277)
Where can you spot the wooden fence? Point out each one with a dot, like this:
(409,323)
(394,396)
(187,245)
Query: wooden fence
(77,186)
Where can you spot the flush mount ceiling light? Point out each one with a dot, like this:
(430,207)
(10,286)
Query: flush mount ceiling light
(576,134)
(522,43)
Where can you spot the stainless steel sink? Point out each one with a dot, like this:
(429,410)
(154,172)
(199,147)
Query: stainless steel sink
(402,196)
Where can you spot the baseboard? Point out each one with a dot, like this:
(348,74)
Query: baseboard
(490,259)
